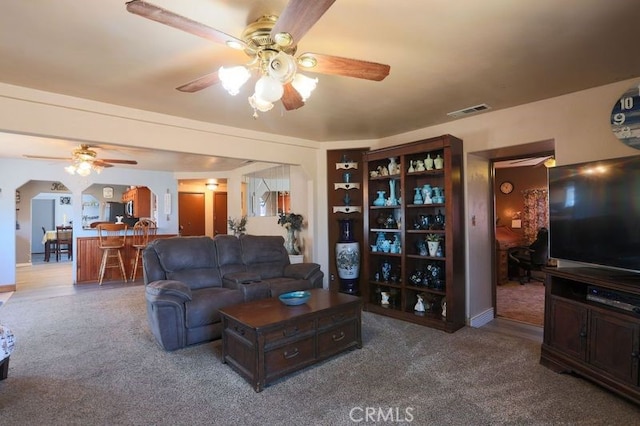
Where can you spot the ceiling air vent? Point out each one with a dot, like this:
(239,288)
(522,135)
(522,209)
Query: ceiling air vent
(467,111)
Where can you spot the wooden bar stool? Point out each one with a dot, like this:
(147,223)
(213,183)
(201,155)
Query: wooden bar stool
(111,239)
(142,230)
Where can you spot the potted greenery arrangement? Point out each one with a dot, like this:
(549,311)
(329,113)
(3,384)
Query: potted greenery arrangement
(433,242)
(293,223)
(238,227)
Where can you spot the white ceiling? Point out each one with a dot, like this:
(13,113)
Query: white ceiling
(444,56)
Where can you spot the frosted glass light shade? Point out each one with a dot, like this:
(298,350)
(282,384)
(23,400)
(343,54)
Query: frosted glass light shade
(269,89)
(259,104)
(233,78)
(282,67)
(304,85)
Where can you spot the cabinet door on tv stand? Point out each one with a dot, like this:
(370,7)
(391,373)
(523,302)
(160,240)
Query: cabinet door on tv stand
(614,346)
(568,328)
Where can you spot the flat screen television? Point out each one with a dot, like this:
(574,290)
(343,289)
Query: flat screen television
(594,213)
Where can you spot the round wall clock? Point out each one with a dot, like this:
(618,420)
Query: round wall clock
(506,187)
(625,117)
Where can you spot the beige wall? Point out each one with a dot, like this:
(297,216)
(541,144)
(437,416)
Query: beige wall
(577,122)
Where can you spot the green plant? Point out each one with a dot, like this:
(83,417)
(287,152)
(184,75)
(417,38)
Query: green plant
(433,237)
(291,221)
(238,226)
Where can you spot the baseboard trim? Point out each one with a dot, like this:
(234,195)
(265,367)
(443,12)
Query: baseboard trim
(7,288)
(482,319)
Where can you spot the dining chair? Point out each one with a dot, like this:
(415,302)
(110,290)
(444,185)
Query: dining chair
(64,242)
(111,240)
(142,230)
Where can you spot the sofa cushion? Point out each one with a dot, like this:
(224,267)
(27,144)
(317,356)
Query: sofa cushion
(264,254)
(229,253)
(203,309)
(191,260)
(197,278)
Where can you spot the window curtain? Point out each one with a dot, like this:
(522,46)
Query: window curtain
(535,212)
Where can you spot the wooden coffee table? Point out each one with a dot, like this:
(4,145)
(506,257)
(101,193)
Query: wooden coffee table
(264,340)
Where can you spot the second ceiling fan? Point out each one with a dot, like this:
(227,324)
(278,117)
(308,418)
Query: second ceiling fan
(270,43)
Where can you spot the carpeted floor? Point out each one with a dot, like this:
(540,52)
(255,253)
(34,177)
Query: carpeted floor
(89,359)
(524,303)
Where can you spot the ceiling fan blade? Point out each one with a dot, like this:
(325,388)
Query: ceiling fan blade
(40,157)
(299,16)
(163,16)
(329,64)
(200,83)
(291,99)
(101,163)
(115,161)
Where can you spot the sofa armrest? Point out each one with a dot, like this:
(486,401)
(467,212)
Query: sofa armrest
(301,271)
(169,288)
(249,283)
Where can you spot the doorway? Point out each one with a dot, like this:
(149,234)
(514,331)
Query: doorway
(520,209)
(42,220)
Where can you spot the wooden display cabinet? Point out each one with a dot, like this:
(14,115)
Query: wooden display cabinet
(590,335)
(408,223)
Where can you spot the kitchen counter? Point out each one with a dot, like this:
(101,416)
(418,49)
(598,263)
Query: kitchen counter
(89,256)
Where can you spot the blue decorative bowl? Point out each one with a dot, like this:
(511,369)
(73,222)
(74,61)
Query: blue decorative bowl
(295,298)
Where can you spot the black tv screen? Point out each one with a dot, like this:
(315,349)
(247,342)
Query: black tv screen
(594,213)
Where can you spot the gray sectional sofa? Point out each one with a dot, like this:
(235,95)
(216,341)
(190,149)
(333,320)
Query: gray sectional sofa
(188,279)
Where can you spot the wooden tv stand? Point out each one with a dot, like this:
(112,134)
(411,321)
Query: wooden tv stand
(596,339)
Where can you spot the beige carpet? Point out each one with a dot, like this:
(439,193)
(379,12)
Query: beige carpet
(524,303)
(89,359)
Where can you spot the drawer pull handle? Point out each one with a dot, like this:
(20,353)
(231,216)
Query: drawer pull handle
(292,332)
(293,354)
(338,337)
(239,330)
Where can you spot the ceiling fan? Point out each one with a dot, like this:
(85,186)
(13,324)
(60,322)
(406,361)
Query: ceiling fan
(270,43)
(84,160)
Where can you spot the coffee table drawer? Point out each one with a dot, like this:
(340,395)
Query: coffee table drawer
(289,357)
(337,339)
(337,316)
(240,330)
(287,331)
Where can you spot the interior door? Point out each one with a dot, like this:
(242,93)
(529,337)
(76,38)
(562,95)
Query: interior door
(219,213)
(191,214)
(42,215)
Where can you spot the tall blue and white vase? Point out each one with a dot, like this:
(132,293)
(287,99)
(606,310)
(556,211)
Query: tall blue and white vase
(348,258)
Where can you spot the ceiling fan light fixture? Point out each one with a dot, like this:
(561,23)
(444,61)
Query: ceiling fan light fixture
(282,67)
(304,85)
(260,104)
(307,61)
(71,169)
(83,172)
(268,89)
(233,78)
